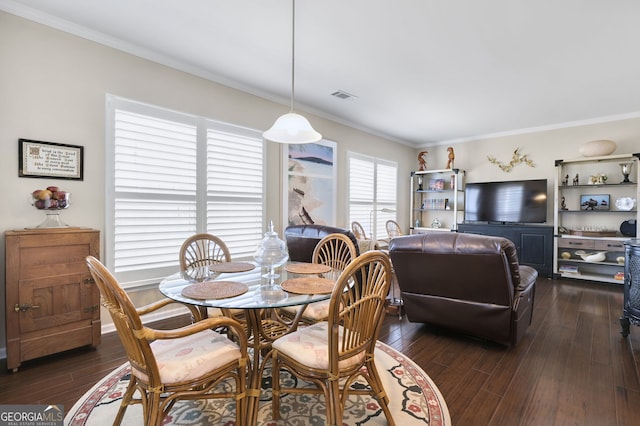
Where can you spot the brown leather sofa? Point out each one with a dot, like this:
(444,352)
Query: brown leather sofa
(302,239)
(466,282)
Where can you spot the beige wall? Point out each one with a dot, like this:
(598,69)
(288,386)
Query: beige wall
(543,147)
(53,86)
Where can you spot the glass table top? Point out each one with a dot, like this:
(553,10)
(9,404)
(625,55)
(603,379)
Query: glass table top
(261,293)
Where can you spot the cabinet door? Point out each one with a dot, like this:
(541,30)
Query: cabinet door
(57,300)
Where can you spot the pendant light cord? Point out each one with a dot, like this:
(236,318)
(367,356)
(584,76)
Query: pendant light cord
(293,50)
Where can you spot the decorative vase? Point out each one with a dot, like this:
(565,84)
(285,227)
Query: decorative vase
(626,171)
(271,253)
(597,148)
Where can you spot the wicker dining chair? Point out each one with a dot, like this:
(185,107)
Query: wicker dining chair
(393,229)
(336,251)
(200,251)
(358,231)
(332,353)
(170,365)
(197,253)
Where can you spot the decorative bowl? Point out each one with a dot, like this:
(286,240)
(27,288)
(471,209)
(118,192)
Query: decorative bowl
(625,203)
(52,198)
(592,257)
(597,148)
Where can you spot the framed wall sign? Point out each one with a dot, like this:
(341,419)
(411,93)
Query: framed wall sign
(310,183)
(39,159)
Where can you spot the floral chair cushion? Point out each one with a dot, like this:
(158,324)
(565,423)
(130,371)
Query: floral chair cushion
(316,311)
(309,346)
(192,356)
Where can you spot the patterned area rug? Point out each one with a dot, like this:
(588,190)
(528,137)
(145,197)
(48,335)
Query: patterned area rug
(414,400)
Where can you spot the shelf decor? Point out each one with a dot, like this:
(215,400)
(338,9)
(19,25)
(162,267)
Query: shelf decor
(516,158)
(594,202)
(625,168)
(586,235)
(597,148)
(437,199)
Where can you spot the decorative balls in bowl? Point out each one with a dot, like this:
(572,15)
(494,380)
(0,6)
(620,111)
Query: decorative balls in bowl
(52,198)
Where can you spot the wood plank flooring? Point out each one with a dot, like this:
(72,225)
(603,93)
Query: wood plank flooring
(572,368)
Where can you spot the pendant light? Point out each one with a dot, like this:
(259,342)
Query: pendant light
(292,127)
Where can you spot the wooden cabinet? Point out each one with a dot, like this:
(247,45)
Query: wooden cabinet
(437,200)
(534,243)
(52,302)
(595,213)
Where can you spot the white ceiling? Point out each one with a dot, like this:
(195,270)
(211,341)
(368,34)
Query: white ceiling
(423,71)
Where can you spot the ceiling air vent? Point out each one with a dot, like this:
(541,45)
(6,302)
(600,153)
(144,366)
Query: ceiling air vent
(341,94)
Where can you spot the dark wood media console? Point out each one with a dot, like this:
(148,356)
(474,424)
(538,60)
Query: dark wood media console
(534,243)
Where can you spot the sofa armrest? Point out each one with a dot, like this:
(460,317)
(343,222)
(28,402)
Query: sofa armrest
(528,279)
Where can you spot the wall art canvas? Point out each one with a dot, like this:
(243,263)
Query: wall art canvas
(310,183)
(594,202)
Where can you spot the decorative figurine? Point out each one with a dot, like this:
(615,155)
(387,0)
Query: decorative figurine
(565,181)
(563,205)
(576,180)
(451,156)
(422,161)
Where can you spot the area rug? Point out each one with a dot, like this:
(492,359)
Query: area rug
(414,400)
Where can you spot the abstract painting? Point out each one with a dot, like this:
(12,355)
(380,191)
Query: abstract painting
(310,183)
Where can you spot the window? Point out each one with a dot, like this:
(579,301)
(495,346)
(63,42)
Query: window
(170,175)
(372,193)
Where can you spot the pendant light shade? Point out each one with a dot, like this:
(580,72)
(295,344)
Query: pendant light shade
(292,127)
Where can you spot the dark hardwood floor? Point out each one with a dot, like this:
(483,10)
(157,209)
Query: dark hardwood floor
(572,368)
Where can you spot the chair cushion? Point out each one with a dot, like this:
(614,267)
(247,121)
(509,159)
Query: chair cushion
(190,357)
(309,346)
(317,311)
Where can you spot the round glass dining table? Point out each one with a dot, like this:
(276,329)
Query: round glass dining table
(261,292)
(264,321)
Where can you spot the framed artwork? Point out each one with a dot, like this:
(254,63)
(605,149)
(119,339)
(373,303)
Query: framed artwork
(310,183)
(436,184)
(39,159)
(594,202)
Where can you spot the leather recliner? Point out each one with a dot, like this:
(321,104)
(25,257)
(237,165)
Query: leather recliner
(466,282)
(302,239)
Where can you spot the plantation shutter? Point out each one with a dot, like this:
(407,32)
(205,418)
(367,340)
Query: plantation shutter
(235,188)
(171,175)
(372,193)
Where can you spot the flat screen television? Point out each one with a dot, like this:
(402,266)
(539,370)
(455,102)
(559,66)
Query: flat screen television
(523,201)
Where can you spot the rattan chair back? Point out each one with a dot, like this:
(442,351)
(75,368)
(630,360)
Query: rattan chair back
(336,251)
(356,312)
(393,229)
(158,397)
(202,250)
(358,231)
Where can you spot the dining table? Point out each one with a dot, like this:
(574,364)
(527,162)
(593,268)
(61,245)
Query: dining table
(258,296)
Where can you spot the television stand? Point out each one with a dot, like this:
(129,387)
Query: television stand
(534,243)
